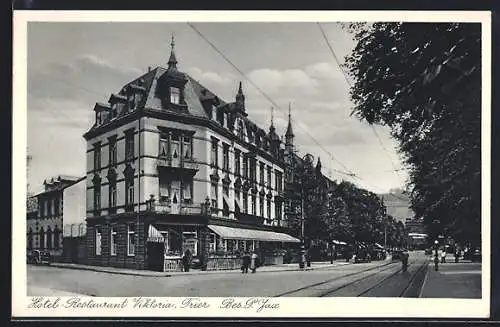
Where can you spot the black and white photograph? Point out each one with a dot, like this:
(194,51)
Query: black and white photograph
(253,161)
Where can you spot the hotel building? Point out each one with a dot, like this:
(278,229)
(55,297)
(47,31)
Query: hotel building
(172,167)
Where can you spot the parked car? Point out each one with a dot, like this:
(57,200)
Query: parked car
(473,255)
(362,256)
(39,257)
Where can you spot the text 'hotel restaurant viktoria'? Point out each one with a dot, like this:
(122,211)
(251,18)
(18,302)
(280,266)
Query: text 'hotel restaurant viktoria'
(172,167)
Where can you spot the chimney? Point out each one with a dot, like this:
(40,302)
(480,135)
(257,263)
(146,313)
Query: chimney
(149,69)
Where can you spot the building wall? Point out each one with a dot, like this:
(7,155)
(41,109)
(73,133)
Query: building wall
(149,179)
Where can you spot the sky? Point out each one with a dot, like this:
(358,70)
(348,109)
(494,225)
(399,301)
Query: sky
(73,65)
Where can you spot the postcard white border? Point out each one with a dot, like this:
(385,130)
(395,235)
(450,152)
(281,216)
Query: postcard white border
(289,307)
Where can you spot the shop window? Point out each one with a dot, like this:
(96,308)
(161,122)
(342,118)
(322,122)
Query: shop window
(131,239)
(98,240)
(112,241)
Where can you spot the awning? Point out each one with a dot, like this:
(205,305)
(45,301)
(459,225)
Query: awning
(154,235)
(339,242)
(251,234)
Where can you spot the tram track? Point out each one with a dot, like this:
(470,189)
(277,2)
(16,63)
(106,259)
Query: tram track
(311,286)
(407,291)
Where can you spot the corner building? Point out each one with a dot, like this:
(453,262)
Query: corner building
(172,167)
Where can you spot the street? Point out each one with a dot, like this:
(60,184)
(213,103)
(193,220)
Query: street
(375,279)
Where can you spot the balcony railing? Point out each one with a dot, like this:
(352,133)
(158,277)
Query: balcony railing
(170,162)
(177,209)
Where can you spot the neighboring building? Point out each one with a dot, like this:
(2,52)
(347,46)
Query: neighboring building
(172,167)
(46,221)
(300,172)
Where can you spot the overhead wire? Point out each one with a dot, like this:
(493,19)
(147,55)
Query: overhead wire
(347,171)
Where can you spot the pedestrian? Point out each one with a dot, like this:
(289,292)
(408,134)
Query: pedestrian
(443,256)
(457,255)
(253,262)
(246,263)
(186,260)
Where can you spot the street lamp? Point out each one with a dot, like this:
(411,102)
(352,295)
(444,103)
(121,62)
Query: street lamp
(436,259)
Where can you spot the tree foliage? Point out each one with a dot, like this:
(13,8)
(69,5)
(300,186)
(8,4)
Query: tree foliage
(423,80)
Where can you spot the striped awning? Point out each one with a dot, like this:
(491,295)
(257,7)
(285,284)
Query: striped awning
(154,235)
(233,233)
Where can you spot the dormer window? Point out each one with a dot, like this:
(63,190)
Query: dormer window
(175,95)
(114,110)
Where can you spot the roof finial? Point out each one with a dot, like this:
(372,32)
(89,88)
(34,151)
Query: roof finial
(172,61)
(289,111)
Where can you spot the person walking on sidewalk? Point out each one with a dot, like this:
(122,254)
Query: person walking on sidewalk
(245,263)
(443,256)
(457,255)
(253,262)
(186,260)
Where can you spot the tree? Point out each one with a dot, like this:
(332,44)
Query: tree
(423,81)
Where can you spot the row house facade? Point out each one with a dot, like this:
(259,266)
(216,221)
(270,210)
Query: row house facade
(171,167)
(47,215)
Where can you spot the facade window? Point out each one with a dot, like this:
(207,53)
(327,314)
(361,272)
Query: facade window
(186,191)
(262,168)
(176,147)
(279,181)
(277,210)
(49,238)
(188,153)
(245,166)
(268,208)
(97,196)
(131,240)
(97,156)
(112,151)
(112,196)
(245,202)
(57,237)
(237,168)
(175,95)
(225,209)
(49,209)
(261,206)
(214,195)
(98,240)
(269,170)
(164,191)
(213,157)
(129,188)
(253,168)
(241,131)
(225,157)
(112,241)
(254,205)
(42,238)
(56,206)
(129,145)
(163,146)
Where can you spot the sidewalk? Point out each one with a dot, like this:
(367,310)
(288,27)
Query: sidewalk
(452,280)
(148,273)
(45,291)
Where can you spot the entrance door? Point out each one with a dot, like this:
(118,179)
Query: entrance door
(176,197)
(156,256)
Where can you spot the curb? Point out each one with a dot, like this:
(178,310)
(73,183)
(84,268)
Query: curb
(91,268)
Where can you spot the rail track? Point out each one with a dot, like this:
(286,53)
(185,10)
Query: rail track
(376,270)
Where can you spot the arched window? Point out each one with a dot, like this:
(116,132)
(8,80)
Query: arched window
(42,239)
(30,239)
(49,238)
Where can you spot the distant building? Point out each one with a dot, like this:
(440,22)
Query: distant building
(50,210)
(172,167)
(416,233)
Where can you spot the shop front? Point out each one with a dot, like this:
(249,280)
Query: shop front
(212,247)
